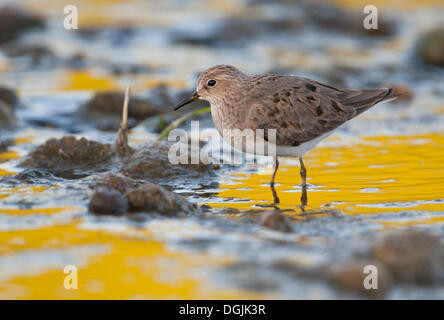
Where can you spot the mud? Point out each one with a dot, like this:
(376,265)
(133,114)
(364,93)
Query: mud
(336,20)
(153,198)
(8,96)
(108,201)
(105,110)
(73,158)
(70,157)
(412,256)
(151,162)
(7,118)
(234,31)
(37,55)
(5,143)
(116,194)
(8,100)
(430,48)
(350,277)
(276,221)
(14,21)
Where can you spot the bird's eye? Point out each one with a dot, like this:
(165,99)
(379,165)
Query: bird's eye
(211,83)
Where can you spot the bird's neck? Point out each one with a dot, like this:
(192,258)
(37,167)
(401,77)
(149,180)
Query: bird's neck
(227,114)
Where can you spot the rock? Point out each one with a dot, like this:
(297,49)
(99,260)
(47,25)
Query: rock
(70,157)
(104,109)
(5,143)
(332,18)
(162,96)
(8,96)
(275,220)
(73,158)
(151,162)
(38,54)
(108,201)
(112,103)
(350,276)
(121,145)
(235,31)
(145,197)
(33,176)
(77,61)
(120,69)
(251,275)
(430,47)
(14,21)
(8,100)
(153,198)
(7,118)
(115,181)
(404,91)
(411,256)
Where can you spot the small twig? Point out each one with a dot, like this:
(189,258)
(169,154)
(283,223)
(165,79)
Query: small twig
(122,147)
(176,123)
(125,107)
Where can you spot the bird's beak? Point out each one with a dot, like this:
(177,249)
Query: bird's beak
(188,100)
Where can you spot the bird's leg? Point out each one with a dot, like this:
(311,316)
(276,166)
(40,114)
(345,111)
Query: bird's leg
(303,173)
(275,169)
(304,197)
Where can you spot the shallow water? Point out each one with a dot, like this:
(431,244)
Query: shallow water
(380,172)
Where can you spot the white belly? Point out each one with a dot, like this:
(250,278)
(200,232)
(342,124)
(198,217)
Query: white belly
(264,148)
(301,149)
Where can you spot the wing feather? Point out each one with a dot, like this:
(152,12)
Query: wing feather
(301,109)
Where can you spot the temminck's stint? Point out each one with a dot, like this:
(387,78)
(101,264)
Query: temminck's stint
(302,111)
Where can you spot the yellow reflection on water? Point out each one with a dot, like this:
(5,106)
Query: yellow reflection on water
(379,174)
(394,4)
(411,222)
(127,265)
(23,190)
(9,155)
(86,80)
(4,172)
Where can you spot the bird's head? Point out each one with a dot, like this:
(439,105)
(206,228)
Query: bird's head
(215,83)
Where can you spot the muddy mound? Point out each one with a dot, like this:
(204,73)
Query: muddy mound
(73,158)
(411,256)
(151,162)
(108,201)
(8,96)
(110,104)
(6,115)
(430,48)
(5,143)
(116,194)
(70,157)
(334,19)
(151,197)
(14,21)
(8,100)
(115,181)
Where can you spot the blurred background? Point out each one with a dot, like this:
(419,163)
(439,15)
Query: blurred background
(159,47)
(381,172)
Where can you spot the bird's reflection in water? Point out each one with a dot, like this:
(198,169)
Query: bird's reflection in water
(276,201)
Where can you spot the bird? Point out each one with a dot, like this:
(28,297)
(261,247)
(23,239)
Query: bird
(302,111)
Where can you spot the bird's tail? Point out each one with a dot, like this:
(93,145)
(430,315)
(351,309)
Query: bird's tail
(362,100)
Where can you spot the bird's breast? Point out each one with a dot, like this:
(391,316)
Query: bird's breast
(224,117)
